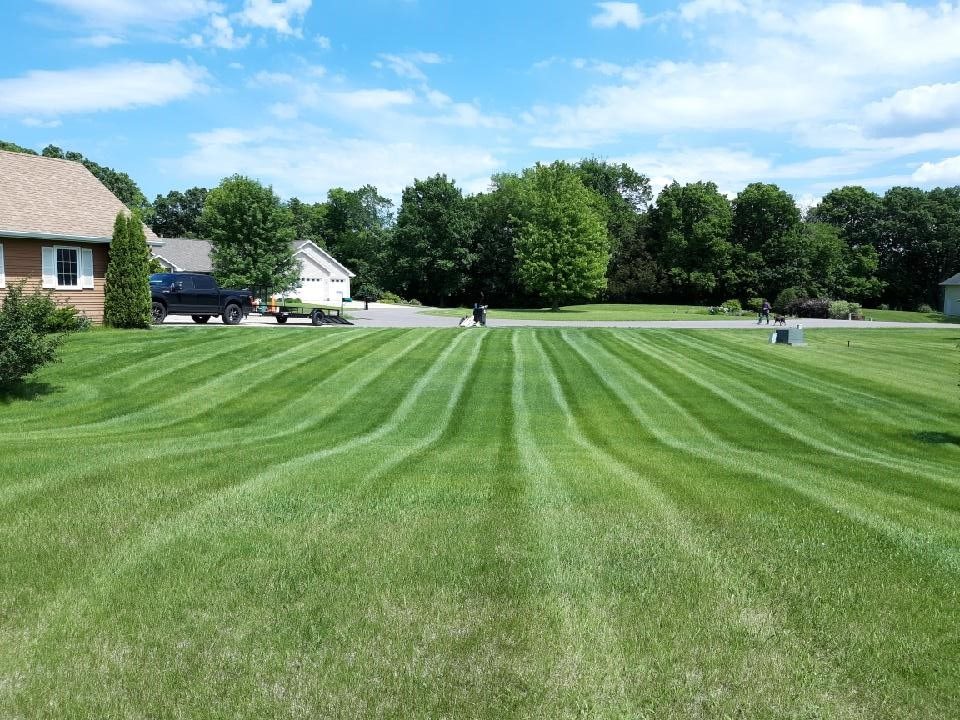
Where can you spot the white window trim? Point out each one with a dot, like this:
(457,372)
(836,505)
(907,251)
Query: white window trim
(3,273)
(79,285)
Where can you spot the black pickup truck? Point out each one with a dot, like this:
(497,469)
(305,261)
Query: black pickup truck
(198,296)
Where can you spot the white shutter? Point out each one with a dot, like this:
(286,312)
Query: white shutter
(3,275)
(49,267)
(86,268)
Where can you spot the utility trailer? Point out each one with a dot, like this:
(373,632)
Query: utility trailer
(317,316)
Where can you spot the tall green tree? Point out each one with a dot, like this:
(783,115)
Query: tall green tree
(251,235)
(307,220)
(493,277)
(126,302)
(626,195)
(177,214)
(563,247)
(689,234)
(356,225)
(431,249)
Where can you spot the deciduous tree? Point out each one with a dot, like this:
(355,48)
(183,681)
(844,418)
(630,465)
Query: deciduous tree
(251,235)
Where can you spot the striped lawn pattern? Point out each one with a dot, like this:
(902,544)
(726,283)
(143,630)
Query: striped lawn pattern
(240,522)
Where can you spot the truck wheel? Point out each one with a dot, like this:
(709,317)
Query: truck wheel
(281,319)
(158,312)
(201,319)
(232,314)
(316,317)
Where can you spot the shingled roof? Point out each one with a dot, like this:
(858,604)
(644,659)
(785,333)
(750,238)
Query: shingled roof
(49,198)
(186,254)
(955,280)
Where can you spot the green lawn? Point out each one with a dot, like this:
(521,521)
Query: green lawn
(253,523)
(612,311)
(598,312)
(909,316)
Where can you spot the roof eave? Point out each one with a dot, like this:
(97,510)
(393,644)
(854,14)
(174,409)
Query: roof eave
(93,240)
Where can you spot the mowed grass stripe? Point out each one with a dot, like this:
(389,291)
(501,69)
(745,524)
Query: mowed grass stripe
(729,614)
(775,416)
(556,524)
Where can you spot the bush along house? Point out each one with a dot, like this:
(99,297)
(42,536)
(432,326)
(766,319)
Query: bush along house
(56,223)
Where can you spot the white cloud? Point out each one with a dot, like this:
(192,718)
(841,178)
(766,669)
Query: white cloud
(284,111)
(124,13)
(946,172)
(270,79)
(108,87)
(101,40)
(220,34)
(731,170)
(37,122)
(366,100)
(323,41)
(699,9)
(306,161)
(617,13)
(280,16)
(921,108)
(407,66)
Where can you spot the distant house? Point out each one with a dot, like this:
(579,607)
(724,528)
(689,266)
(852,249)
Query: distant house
(951,295)
(322,278)
(56,223)
(184,255)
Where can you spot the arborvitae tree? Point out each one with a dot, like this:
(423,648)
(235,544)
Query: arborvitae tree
(126,302)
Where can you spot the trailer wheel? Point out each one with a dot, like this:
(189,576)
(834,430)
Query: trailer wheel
(316,317)
(232,314)
(281,319)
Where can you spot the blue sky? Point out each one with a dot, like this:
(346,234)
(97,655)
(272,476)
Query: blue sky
(309,95)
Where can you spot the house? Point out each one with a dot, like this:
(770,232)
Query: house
(184,255)
(323,280)
(951,295)
(56,224)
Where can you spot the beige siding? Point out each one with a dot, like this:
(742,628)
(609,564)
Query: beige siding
(22,261)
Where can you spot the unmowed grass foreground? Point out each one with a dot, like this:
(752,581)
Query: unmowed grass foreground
(255,523)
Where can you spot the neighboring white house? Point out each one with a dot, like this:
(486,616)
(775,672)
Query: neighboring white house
(322,278)
(951,295)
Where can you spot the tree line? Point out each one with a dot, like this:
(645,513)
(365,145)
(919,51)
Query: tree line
(580,231)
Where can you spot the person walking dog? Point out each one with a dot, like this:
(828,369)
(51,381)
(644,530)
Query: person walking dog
(764,313)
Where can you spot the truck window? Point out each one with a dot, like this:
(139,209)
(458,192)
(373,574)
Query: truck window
(203,282)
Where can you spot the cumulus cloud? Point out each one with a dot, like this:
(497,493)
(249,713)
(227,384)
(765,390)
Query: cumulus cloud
(281,16)
(45,93)
(613,14)
(945,172)
(927,107)
(101,40)
(699,9)
(306,161)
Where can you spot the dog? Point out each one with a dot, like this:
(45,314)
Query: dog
(779,319)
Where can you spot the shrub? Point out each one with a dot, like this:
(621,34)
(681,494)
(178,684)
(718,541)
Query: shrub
(66,320)
(883,306)
(755,304)
(809,308)
(924,308)
(841,309)
(26,344)
(732,307)
(391,298)
(785,298)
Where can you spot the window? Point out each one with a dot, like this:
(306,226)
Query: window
(203,282)
(68,267)
(3,277)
